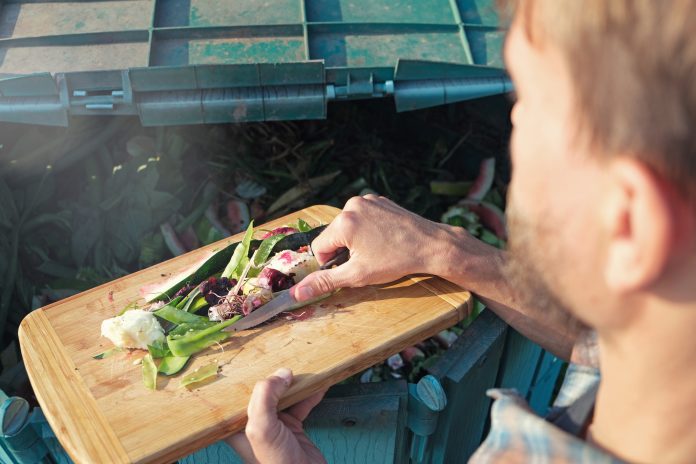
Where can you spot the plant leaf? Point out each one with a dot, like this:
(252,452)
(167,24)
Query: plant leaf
(303,226)
(455,189)
(188,342)
(56,269)
(24,289)
(8,209)
(198,303)
(141,146)
(249,189)
(149,372)
(85,236)
(199,375)
(190,298)
(301,190)
(107,353)
(263,253)
(57,219)
(178,316)
(170,365)
(158,350)
(240,257)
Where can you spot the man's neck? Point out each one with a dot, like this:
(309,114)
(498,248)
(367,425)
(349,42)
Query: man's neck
(646,406)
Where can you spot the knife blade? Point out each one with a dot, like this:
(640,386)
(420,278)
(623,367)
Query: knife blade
(284,301)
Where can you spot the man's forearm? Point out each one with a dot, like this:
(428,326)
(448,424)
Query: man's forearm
(477,267)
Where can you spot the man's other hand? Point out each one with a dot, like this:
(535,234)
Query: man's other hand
(272,436)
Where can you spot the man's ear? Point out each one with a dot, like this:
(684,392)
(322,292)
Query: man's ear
(641,225)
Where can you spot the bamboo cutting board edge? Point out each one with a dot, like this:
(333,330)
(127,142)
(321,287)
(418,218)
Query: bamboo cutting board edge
(82,438)
(91,431)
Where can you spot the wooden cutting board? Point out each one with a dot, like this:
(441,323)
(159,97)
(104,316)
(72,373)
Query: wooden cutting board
(101,412)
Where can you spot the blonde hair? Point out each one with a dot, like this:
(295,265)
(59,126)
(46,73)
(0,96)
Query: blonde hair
(633,63)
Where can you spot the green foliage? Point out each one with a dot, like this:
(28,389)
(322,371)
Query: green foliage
(116,210)
(84,205)
(75,214)
(29,230)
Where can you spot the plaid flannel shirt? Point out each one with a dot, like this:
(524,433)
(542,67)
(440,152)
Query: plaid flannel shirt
(518,435)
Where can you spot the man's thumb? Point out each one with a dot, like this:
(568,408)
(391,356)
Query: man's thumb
(322,282)
(263,422)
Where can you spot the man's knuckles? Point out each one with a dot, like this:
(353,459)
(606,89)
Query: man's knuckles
(354,204)
(322,283)
(347,221)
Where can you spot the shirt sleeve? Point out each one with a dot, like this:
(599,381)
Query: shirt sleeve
(586,350)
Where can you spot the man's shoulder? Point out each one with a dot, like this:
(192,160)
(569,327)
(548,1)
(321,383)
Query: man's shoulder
(517,434)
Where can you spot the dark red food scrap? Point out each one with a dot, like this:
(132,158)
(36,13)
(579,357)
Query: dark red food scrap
(214,289)
(275,280)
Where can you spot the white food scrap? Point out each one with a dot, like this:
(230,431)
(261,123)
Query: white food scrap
(299,264)
(134,329)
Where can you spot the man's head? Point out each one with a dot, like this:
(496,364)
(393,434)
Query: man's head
(603,208)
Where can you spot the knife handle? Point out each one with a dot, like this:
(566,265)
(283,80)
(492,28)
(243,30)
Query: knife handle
(341,256)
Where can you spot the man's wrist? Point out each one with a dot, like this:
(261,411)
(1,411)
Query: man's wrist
(446,255)
(463,259)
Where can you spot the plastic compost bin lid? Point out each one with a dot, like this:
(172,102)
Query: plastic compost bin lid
(209,61)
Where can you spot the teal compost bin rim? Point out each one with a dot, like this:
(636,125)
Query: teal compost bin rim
(14,413)
(205,61)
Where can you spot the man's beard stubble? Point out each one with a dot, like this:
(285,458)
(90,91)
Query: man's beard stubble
(527,270)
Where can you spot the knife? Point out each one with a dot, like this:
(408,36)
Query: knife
(284,301)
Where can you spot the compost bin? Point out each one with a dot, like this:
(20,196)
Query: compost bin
(206,61)
(177,62)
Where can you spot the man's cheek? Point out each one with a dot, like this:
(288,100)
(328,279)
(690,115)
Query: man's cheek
(527,186)
(527,149)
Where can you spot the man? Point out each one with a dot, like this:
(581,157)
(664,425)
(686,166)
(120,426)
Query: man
(602,219)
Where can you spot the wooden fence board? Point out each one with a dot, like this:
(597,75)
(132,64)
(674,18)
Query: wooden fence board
(465,378)
(519,362)
(541,393)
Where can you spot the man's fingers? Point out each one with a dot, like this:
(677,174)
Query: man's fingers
(301,410)
(323,282)
(333,237)
(240,443)
(263,427)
